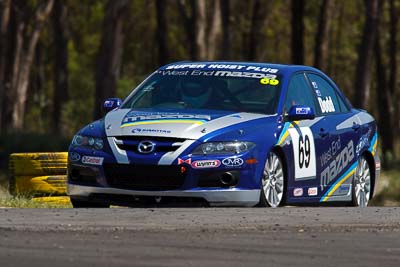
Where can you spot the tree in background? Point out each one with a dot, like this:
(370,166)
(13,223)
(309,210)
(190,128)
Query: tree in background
(323,34)
(61,37)
(162,32)
(4,47)
(259,20)
(110,52)
(297,8)
(203,27)
(394,15)
(25,26)
(225,48)
(362,80)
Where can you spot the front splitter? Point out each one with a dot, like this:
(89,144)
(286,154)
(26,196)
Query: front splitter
(216,197)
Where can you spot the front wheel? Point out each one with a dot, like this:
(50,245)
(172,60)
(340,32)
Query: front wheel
(361,183)
(273,182)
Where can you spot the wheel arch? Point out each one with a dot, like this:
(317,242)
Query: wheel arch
(280,152)
(371,162)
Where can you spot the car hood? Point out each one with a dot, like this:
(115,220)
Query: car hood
(188,124)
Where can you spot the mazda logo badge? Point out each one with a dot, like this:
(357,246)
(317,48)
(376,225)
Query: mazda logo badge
(146,147)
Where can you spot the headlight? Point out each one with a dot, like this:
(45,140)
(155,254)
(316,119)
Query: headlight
(89,141)
(223,148)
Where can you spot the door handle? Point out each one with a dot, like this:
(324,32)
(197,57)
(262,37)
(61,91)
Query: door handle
(356,126)
(323,133)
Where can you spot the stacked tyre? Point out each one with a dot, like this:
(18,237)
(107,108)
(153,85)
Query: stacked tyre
(38,174)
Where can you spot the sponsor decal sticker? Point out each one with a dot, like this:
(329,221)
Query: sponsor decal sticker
(315,85)
(269,81)
(108,103)
(203,164)
(338,164)
(312,191)
(344,189)
(377,165)
(363,142)
(334,148)
(298,192)
(233,162)
(92,160)
(133,119)
(222,66)
(149,130)
(302,111)
(326,104)
(73,156)
(181,161)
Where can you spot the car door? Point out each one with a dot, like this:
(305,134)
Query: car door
(307,142)
(337,144)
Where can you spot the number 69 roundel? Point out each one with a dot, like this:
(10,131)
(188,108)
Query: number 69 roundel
(304,153)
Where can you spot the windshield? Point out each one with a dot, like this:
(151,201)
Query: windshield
(216,90)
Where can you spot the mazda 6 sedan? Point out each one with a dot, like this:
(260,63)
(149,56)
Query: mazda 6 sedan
(227,134)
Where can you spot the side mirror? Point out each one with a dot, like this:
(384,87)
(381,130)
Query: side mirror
(111,103)
(300,112)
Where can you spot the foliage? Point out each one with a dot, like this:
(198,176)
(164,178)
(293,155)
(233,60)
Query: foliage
(388,189)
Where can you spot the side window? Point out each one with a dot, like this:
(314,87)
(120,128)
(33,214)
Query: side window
(298,93)
(328,101)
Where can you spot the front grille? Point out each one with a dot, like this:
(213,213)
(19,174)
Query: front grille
(144,177)
(162,144)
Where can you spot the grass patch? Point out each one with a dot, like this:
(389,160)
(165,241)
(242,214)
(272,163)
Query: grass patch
(8,201)
(388,191)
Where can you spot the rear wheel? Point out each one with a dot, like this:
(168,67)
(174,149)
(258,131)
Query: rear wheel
(361,183)
(80,203)
(273,182)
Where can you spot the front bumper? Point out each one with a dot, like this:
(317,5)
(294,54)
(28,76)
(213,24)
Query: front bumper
(216,197)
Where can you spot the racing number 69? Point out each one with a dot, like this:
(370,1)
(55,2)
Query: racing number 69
(304,151)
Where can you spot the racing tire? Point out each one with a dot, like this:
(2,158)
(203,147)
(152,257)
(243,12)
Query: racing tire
(361,189)
(38,164)
(80,203)
(273,182)
(40,185)
(61,200)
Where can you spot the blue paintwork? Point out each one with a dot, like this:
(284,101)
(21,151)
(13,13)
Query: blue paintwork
(268,133)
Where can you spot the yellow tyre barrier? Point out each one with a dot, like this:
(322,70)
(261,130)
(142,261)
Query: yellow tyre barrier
(38,164)
(41,185)
(38,173)
(64,200)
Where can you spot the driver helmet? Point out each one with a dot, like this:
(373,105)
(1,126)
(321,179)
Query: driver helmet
(195,93)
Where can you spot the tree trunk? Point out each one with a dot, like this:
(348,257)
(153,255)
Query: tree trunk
(5,8)
(297,32)
(384,103)
(189,25)
(322,36)
(110,52)
(23,58)
(226,37)
(215,31)
(195,27)
(200,26)
(258,21)
(162,32)
(393,64)
(61,37)
(365,60)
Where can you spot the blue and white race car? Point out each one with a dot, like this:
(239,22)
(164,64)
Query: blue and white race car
(227,134)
